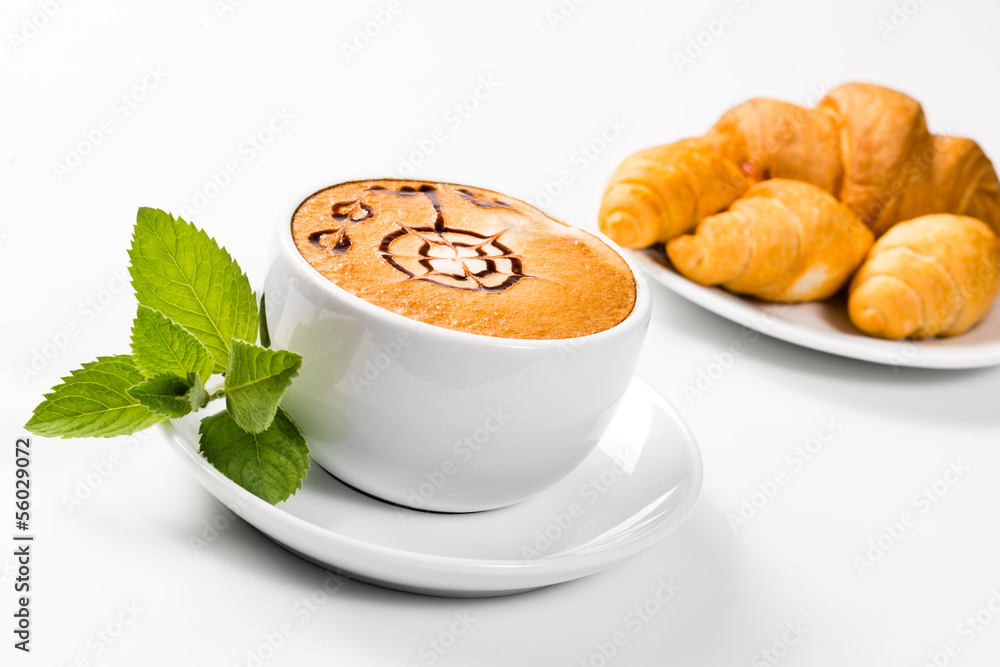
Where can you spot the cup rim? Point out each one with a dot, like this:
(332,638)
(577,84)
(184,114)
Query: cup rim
(639,315)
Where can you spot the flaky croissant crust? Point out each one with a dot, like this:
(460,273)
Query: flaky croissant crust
(935,275)
(784,240)
(867,145)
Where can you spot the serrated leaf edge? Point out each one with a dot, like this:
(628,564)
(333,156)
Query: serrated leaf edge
(176,324)
(72,374)
(178,220)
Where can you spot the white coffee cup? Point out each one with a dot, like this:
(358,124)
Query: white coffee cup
(433,418)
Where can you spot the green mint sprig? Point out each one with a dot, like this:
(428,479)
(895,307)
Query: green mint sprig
(197,316)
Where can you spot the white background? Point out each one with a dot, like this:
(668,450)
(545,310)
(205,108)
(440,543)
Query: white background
(224,75)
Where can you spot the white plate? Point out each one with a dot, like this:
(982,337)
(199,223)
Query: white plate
(825,325)
(636,487)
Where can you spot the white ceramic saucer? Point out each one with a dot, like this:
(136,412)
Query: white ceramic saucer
(634,489)
(825,326)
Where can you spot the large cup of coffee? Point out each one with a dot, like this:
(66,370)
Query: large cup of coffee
(461,350)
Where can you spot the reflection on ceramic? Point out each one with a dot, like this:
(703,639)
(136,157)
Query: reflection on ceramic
(434,418)
(825,326)
(636,487)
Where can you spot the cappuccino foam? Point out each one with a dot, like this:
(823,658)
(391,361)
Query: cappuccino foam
(463,258)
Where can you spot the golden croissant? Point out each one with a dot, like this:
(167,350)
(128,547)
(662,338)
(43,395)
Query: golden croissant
(936,275)
(961,180)
(865,144)
(885,149)
(772,139)
(784,240)
(662,192)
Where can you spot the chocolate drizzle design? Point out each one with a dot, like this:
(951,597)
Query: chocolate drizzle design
(347,213)
(455,258)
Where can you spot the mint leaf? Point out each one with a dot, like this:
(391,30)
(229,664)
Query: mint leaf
(160,345)
(256,379)
(180,271)
(93,401)
(170,395)
(270,464)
